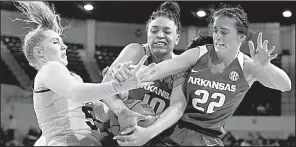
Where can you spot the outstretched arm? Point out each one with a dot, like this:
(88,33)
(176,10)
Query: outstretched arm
(265,72)
(56,77)
(273,77)
(177,64)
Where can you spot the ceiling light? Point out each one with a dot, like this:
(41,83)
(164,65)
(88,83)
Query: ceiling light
(201,13)
(88,7)
(287,13)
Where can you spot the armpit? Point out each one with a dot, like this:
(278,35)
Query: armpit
(179,78)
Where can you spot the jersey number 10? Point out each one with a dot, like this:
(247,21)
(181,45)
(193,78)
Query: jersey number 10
(157,104)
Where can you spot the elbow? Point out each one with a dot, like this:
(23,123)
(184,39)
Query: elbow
(287,84)
(287,87)
(134,45)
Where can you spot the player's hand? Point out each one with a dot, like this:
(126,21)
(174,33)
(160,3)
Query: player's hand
(134,81)
(138,137)
(122,95)
(147,76)
(128,118)
(261,55)
(120,72)
(132,67)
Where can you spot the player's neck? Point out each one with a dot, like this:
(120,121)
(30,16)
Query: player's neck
(40,64)
(228,57)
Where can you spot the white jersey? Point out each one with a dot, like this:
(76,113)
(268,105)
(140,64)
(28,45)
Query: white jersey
(59,117)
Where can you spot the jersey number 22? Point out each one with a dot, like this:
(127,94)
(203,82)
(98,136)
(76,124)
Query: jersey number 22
(205,96)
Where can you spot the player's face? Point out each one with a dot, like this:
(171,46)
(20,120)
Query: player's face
(162,35)
(225,35)
(54,48)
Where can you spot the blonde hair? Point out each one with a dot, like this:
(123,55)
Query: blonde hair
(45,17)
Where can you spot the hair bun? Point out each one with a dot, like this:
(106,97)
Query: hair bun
(171,6)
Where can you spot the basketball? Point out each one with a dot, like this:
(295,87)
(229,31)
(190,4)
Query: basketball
(137,106)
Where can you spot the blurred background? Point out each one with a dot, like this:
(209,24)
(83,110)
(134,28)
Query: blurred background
(100,31)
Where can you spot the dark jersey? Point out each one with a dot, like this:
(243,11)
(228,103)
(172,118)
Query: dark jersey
(212,98)
(156,95)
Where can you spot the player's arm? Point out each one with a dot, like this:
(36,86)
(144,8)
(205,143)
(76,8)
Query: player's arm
(272,77)
(172,114)
(177,64)
(132,52)
(56,76)
(263,70)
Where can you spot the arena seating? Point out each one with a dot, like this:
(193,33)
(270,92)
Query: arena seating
(6,75)
(76,65)
(105,55)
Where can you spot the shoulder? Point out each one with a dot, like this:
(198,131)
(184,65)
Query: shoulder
(52,68)
(134,48)
(53,65)
(135,45)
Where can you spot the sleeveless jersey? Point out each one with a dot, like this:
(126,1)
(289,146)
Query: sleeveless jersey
(59,117)
(156,95)
(212,98)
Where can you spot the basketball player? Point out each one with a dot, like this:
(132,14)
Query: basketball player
(161,139)
(220,75)
(163,33)
(59,94)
